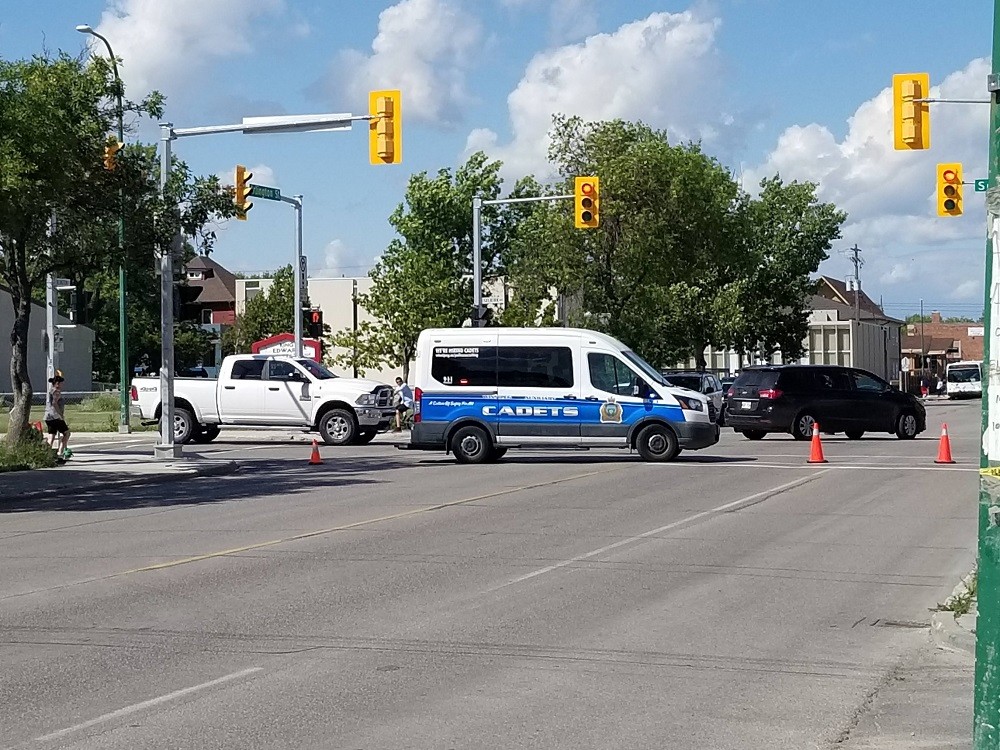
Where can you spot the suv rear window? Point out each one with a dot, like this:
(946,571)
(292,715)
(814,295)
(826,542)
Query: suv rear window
(757,379)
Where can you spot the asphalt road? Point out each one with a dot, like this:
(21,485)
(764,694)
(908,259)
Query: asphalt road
(737,598)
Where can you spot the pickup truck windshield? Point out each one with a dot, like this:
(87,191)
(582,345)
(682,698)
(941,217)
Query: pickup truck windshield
(647,369)
(315,369)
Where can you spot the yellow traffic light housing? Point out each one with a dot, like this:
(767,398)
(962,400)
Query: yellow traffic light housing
(243,192)
(911,120)
(111,150)
(385,129)
(949,189)
(587,202)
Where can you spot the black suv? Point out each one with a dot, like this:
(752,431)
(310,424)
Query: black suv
(790,398)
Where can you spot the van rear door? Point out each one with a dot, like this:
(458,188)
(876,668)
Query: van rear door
(463,379)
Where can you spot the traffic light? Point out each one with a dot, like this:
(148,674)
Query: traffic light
(911,120)
(385,129)
(949,189)
(111,150)
(314,323)
(587,198)
(243,192)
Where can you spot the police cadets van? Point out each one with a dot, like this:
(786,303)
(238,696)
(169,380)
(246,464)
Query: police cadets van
(480,391)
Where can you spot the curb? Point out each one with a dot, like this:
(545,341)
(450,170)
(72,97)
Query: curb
(222,468)
(948,634)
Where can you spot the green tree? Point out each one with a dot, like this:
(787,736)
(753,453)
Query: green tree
(788,233)
(669,241)
(269,313)
(422,279)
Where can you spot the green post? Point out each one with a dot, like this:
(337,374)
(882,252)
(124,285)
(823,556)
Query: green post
(986,719)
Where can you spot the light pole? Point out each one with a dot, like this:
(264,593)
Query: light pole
(124,425)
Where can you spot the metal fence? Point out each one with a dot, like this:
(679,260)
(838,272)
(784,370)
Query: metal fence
(107,400)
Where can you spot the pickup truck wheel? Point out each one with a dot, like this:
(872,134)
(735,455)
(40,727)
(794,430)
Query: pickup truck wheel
(337,427)
(206,434)
(364,437)
(184,426)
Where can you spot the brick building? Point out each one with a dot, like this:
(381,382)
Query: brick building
(930,346)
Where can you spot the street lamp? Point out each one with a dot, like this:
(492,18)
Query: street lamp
(123,374)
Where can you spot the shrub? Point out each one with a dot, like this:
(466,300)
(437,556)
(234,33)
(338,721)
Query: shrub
(107,401)
(31,453)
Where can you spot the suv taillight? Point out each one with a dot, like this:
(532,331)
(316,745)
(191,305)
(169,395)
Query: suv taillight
(135,393)
(771,393)
(417,395)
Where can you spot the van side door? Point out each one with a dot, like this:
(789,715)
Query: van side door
(538,390)
(611,403)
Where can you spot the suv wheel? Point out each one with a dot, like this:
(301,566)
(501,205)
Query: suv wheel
(854,434)
(906,426)
(802,427)
(754,434)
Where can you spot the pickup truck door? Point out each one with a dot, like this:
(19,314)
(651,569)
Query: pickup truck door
(241,395)
(287,399)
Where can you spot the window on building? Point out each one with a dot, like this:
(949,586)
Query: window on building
(206,317)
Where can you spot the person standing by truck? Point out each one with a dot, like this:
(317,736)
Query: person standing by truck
(405,395)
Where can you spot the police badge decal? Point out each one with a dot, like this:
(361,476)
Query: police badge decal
(611,411)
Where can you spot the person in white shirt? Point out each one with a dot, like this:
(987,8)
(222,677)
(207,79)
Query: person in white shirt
(405,395)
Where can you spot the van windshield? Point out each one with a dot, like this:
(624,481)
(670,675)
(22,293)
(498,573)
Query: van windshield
(647,369)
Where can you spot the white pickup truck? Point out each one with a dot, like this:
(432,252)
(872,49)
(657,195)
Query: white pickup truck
(271,391)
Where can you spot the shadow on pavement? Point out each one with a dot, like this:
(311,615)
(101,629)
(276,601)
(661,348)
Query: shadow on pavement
(270,477)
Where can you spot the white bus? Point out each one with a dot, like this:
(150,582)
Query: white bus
(964,379)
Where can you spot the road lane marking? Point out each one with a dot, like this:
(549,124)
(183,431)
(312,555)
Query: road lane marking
(147,704)
(746,501)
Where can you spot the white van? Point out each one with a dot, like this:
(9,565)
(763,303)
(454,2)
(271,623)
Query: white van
(480,391)
(964,380)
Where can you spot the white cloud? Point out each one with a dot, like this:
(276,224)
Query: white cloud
(899,272)
(888,194)
(341,260)
(662,70)
(423,48)
(969,289)
(163,45)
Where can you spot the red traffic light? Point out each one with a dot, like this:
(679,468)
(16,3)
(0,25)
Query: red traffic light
(949,175)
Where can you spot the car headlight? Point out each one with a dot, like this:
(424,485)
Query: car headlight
(366,399)
(691,404)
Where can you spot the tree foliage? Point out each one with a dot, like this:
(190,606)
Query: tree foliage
(269,313)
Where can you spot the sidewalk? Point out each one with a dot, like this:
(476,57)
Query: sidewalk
(89,471)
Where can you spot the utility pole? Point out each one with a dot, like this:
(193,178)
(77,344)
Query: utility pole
(986,711)
(858,262)
(923,348)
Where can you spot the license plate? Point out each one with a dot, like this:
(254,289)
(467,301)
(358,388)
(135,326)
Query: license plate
(746,404)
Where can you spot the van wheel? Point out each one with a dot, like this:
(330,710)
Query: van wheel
(802,427)
(854,434)
(471,445)
(657,443)
(906,426)
(337,427)
(754,434)
(184,426)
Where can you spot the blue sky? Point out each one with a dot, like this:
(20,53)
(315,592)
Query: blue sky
(799,88)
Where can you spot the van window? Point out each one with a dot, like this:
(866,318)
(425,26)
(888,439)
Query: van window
(865,382)
(247,369)
(832,380)
(610,374)
(465,365)
(535,366)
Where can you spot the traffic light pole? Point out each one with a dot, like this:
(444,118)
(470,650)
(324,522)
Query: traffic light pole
(477,246)
(166,448)
(296,202)
(986,719)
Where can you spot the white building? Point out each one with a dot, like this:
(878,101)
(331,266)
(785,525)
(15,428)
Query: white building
(74,353)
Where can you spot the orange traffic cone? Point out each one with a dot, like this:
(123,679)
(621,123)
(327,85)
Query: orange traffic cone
(944,447)
(816,453)
(314,458)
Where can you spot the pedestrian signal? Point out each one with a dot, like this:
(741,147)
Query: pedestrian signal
(587,200)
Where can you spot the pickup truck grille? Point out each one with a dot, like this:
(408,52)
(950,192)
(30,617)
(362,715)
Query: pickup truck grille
(383,396)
